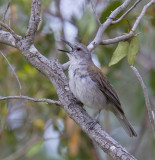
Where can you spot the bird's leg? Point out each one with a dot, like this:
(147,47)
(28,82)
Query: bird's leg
(92,123)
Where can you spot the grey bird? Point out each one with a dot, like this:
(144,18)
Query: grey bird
(90,86)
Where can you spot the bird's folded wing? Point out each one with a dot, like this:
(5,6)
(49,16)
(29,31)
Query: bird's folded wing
(102,82)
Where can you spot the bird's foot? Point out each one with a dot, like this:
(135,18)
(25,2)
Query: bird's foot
(79,103)
(91,124)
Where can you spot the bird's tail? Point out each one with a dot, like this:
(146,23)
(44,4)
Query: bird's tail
(125,124)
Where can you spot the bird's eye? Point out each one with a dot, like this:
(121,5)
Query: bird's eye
(78,49)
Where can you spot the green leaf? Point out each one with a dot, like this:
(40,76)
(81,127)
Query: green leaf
(119,53)
(34,149)
(133,50)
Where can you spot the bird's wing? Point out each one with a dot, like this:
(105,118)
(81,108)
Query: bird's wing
(102,82)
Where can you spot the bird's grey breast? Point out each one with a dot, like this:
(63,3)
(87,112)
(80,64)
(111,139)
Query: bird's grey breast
(83,88)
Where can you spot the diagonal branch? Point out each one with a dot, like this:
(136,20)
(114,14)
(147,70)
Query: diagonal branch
(6,10)
(93,7)
(130,34)
(98,38)
(142,14)
(34,21)
(149,109)
(134,5)
(10,30)
(31,99)
(20,86)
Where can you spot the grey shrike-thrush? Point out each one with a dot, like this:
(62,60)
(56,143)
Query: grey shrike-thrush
(90,86)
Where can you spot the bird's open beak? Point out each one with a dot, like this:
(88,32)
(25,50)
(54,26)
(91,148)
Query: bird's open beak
(68,43)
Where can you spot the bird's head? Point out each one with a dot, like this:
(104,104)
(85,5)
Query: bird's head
(78,51)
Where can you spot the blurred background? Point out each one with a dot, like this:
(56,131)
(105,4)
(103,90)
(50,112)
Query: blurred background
(40,131)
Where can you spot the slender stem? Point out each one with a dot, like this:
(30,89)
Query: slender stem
(149,109)
(31,99)
(10,30)
(20,86)
(94,10)
(134,5)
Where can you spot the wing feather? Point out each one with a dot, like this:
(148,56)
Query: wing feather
(102,82)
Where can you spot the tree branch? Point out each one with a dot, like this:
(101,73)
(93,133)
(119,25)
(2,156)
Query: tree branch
(149,109)
(7,38)
(130,34)
(10,30)
(31,99)
(98,38)
(142,14)
(34,21)
(134,5)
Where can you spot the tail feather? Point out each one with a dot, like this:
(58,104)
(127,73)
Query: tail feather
(126,124)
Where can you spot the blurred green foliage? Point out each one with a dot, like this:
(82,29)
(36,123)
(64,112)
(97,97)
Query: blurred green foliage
(20,120)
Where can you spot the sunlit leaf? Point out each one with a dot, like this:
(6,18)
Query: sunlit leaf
(133,50)
(119,53)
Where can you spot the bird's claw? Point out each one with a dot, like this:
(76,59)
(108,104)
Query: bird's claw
(91,124)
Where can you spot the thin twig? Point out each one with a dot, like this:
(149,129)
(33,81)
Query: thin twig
(10,18)
(3,19)
(31,99)
(94,10)
(149,109)
(20,86)
(130,9)
(130,34)
(142,14)
(10,30)
(98,38)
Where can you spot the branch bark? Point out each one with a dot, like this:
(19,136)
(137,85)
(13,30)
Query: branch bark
(34,21)
(7,38)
